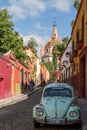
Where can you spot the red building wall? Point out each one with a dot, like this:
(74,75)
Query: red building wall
(11,76)
(5,79)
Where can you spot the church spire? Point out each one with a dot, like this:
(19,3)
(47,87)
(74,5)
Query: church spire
(55,22)
(55,33)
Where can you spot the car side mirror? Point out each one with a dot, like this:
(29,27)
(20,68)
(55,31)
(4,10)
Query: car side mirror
(76,93)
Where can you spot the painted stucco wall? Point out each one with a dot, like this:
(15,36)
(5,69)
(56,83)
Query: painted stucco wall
(5,79)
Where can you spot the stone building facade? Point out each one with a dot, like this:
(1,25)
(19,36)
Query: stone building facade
(46,51)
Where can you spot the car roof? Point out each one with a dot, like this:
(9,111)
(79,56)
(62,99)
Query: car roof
(64,85)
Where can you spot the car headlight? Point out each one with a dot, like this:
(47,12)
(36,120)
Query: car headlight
(39,111)
(73,113)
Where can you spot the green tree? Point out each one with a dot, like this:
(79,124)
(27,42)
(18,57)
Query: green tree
(6,30)
(19,49)
(65,41)
(32,43)
(72,23)
(10,39)
(76,4)
(58,50)
(50,68)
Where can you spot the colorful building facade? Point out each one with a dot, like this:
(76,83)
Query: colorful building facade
(79,46)
(65,65)
(33,57)
(5,78)
(14,76)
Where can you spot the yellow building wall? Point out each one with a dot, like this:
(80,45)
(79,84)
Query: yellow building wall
(76,62)
(33,58)
(18,89)
(34,66)
(78,26)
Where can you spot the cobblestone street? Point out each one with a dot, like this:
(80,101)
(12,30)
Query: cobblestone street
(19,116)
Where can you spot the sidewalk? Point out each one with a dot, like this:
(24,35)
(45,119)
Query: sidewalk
(15,99)
(83,106)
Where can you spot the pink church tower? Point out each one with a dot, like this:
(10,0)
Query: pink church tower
(47,55)
(55,33)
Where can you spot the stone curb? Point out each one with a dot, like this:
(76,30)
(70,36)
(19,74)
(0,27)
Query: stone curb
(15,99)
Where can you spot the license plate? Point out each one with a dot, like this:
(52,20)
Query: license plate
(54,121)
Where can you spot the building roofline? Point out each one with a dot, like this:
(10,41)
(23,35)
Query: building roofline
(77,16)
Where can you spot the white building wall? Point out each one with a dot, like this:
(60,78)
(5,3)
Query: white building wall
(47,76)
(65,63)
(64,57)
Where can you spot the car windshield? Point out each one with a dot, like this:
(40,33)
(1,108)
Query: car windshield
(64,92)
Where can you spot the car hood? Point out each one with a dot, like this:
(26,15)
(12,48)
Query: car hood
(57,107)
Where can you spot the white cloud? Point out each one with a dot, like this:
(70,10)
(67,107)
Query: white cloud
(23,8)
(62,5)
(39,26)
(17,11)
(39,39)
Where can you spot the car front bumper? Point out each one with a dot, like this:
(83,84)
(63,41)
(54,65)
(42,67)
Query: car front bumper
(56,121)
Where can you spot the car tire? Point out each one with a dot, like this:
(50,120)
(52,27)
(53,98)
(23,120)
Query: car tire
(36,124)
(79,125)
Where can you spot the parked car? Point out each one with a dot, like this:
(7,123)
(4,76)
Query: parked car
(57,107)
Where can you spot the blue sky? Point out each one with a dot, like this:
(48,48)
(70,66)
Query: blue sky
(35,18)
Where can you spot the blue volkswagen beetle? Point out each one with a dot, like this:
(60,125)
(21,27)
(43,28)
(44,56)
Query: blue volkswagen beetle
(57,106)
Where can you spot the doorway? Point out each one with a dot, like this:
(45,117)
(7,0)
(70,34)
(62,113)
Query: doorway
(82,75)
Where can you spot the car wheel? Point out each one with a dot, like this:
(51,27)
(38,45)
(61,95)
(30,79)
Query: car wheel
(36,124)
(79,125)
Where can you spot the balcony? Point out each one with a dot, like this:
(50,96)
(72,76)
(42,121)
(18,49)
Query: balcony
(80,44)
